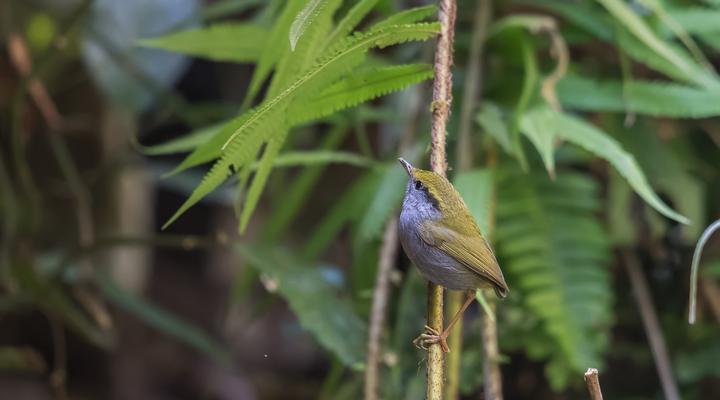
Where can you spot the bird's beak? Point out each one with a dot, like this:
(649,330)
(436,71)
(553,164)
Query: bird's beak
(408,167)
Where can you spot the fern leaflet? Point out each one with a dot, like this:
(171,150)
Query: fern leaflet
(555,252)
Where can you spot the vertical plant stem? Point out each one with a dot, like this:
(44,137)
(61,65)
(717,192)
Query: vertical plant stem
(388,254)
(455,342)
(442,99)
(593,384)
(651,325)
(491,369)
(473,84)
(492,378)
(464,151)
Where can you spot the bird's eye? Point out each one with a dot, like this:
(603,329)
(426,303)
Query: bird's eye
(418,185)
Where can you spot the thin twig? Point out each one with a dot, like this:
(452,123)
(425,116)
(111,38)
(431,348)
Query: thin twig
(651,325)
(388,253)
(593,384)
(442,99)
(464,151)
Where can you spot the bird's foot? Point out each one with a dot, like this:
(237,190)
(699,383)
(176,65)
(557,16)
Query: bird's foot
(431,336)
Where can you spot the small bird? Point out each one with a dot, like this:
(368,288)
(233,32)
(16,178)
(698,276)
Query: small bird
(442,239)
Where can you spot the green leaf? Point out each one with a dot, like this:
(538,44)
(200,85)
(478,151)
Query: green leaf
(384,200)
(161,320)
(305,158)
(313,298)
(637,26)
(543,121)
(234,42)
(476,188)
(555,256)
(348,207)
(303,20)
(697,20)
(300,188)
(491,120)
(651,98)
(540,129)
(609,30)
(261,175)
(359,88)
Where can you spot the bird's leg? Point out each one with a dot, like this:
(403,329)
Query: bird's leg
(430,335)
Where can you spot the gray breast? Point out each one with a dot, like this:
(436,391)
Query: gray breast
(434,264)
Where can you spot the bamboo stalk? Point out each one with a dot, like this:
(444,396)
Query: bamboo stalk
(442,99)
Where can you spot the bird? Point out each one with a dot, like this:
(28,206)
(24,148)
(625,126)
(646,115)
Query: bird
(440,236)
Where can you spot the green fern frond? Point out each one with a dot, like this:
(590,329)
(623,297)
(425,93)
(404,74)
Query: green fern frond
(555,253)
(244,153)
(261,176)
(185,143)
(210,149)
(294,63)
(350,53)
(275,46)
(404,17)
(359,88)
(216,176)
(353,17)
(234,42)
(270,120)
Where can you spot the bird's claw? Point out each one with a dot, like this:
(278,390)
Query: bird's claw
(431,336)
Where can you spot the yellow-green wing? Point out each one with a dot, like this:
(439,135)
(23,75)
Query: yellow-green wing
(472,251)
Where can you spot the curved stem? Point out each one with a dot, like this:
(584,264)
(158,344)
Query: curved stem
(695,264)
